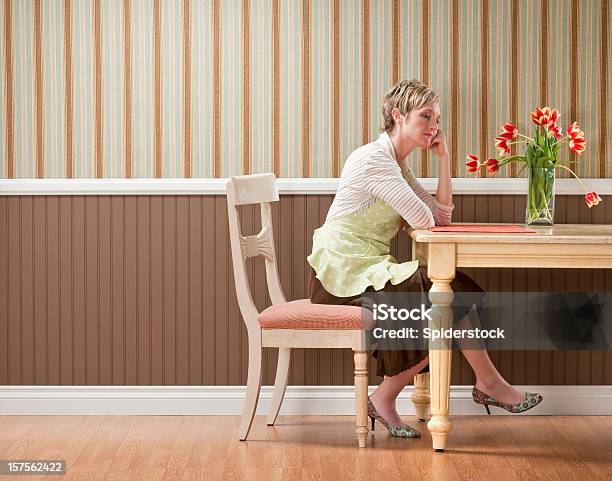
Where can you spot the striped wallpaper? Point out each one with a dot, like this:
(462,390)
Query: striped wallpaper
(209,88)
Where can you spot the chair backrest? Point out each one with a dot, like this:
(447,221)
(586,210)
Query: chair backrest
(247,190)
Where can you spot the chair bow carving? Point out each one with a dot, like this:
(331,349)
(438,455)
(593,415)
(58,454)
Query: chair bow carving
(257,245)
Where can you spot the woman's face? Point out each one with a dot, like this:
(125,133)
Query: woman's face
(420,126)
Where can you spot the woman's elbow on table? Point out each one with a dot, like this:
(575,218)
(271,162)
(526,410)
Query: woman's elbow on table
(427,222)
(443,222)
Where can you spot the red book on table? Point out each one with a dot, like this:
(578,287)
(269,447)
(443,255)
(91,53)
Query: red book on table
(493,228)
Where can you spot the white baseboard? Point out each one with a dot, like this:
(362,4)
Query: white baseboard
(299,400)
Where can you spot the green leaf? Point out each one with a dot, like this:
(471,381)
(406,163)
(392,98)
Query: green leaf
(513,158)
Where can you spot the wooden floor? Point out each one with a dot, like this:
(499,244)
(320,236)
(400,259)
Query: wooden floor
(186,448)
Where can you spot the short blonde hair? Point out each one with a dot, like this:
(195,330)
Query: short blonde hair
(406,95)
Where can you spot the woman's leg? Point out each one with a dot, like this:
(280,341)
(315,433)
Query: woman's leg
(488,378)
(385,394)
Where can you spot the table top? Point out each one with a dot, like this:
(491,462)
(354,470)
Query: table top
(557,234)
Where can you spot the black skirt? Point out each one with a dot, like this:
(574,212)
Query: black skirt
(392,362)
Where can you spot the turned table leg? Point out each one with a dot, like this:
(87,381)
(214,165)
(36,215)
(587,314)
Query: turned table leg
(361,396)
(420,396)
(441,271)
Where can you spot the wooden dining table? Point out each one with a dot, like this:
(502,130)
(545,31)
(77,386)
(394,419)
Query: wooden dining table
(558,246)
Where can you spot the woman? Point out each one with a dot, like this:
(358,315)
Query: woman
(350,254)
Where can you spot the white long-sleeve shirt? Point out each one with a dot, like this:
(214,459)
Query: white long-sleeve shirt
(372,172)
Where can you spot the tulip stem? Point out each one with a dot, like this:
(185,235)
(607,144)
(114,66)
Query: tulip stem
(530,141)
(507,160)
(572,172)
(540,195)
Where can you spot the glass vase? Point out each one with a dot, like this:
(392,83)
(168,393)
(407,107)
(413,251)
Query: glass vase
(540,196)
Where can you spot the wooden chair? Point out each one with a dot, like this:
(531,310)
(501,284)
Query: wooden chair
(286,325)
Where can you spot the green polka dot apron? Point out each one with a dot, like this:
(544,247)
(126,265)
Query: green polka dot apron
(351,253)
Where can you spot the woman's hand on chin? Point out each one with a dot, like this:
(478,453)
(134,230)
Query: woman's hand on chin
(438,145)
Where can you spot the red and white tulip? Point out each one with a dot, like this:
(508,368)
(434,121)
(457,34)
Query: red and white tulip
(509,132)
(492,166)
(544,116)
(473,164)
(501,145)
(555,130)
(577,145)
(591,199)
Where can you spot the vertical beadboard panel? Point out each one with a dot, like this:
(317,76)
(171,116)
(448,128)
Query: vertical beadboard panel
(92,306)
(105,284)
(143,288)
(39,319)
(139,290)
(130,286)
(182,289)
(222,288)
(117,207)
(14,290)
(195,289)
(52,280)
(169,291)
(156,273)
(66,294)
(209,326)
(608,282)
(27,290)
(4,291)
(79,316)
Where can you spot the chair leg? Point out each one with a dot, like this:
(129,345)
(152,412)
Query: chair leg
(253,387)
(420,396)
(361,396)
(280,383)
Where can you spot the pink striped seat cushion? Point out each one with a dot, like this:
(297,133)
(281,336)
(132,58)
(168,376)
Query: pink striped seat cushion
(303,314)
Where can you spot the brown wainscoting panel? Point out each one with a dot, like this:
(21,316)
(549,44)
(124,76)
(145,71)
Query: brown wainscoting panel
(139,290)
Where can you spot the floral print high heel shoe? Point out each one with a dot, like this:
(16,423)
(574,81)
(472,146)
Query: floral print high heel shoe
(400,431)
(532,399)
